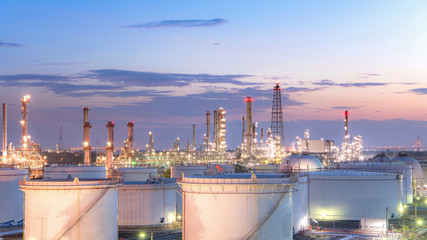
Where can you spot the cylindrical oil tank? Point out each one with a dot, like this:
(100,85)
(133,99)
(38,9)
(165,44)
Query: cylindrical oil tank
(392,168)
(147,203)
(417,171)
(70,172)
(137,174)
(301,163)
(63,209)
(237,206)
(300,205)
(191,170)
(11,199)
(351,195)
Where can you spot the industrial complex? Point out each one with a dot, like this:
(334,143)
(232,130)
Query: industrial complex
(266,188)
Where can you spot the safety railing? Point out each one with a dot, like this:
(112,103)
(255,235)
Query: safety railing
(197,180)
(25,183)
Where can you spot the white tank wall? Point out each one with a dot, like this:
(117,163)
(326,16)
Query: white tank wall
(146,204)
(50,209)
(81,172)
(353,197)
(11,198)
(230,211)
(404,170)
(425,173)
(176,171)
(137,174)
(300,205)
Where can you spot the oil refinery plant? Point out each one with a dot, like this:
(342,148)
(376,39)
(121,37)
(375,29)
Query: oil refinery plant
(260,190)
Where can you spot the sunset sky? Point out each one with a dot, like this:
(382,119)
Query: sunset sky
(164,63)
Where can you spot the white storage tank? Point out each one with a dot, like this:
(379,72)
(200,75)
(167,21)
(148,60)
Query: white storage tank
(62,209)
(237,206)
(386,167)
(300,205)
(301,163)
(147,203)
(417,171)
(70,172)
(190,170)
(11,199)
(351,195)
(137,174)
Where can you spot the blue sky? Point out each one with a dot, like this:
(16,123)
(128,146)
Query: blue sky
(163,64)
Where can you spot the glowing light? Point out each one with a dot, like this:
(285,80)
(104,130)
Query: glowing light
(142,235)
(420,222)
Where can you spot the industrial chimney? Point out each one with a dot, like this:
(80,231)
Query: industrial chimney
(249,133)
(110,145)
(86,137)
(4,131)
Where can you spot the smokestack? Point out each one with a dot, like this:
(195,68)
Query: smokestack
(130,141)
(86,136)
(208,134)
(188,145)
(194,136)
(249,133)
(177,143)
(243,130)
(110,145)
(262,135)
(4,131)
(151,142)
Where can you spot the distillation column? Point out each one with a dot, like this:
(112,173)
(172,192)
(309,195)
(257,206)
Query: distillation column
(194,136)
(110,145)
(25,138)
(4,131)
(249,133)
(346,136)
(86,137)
(222,132)
(208,130)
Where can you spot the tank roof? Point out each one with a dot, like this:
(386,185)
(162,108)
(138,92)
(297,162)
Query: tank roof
(302,162)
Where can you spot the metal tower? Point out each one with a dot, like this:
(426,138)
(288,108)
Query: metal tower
(277,116)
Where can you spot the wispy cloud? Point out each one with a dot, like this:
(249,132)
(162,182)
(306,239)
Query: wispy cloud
(116,82)
(9,44)
(329,83)
(419,90)
(179,23)
(300,89)
(344,107)
(59,63)
(368,75)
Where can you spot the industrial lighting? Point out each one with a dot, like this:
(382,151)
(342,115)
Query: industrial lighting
(179,217)
(420,222)
(142,235)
